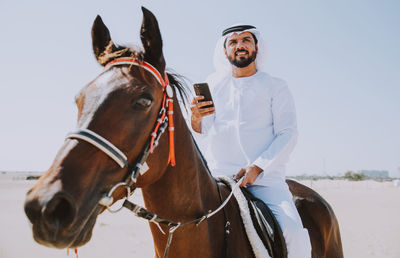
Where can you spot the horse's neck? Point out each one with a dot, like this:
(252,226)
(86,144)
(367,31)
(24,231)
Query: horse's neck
(184,193)
(187,190)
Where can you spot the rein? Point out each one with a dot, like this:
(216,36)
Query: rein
(145,214)
(164,120)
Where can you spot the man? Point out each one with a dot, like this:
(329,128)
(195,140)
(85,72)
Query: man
(252,129)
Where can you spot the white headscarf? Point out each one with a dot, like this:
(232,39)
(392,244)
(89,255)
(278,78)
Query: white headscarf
(221,63)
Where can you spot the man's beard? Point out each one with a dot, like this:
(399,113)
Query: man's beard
(242,62)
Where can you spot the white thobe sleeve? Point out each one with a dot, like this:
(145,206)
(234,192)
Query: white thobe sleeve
(207,123)
(285,131)
(201,138)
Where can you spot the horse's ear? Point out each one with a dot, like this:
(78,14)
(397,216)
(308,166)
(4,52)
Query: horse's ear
(151,40)
(101,41)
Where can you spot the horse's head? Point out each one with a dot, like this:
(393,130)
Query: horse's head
(121,105)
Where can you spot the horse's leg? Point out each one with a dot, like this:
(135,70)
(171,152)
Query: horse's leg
(320,220)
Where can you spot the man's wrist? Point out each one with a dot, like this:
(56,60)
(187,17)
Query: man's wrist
(257,168)
(193,118)
(196,124)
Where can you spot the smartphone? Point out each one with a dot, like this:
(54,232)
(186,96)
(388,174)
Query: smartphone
(202,89)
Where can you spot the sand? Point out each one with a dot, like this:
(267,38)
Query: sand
(368,214)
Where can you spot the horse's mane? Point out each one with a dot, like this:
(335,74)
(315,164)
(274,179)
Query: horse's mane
(178,82)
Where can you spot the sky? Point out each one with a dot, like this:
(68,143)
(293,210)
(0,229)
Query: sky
(341,60)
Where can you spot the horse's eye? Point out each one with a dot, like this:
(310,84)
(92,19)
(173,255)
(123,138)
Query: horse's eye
(142,103)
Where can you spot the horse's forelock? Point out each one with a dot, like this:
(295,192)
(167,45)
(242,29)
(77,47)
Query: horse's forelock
(121,51)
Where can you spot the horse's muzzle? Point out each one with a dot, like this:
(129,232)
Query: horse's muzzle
(51,219)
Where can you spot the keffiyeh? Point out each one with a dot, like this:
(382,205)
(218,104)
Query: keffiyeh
(221,63)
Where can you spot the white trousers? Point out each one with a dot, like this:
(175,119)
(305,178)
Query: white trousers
(279,200)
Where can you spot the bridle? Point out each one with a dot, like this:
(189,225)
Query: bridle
(164,120)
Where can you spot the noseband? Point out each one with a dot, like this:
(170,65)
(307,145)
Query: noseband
(164,120)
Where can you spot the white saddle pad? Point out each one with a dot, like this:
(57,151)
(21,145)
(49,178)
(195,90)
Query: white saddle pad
(257,245)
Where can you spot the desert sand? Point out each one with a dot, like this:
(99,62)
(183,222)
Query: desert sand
(368,214)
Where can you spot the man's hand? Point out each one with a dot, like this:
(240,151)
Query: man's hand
(250,174)
(198,112)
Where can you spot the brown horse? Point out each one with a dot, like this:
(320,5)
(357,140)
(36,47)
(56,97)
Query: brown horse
(122,105)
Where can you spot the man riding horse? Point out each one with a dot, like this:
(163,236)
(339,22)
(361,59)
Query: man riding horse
(254,116)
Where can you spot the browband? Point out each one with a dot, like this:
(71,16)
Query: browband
(143,64)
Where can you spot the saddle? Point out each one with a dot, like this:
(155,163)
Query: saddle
(266,225)
(264,222)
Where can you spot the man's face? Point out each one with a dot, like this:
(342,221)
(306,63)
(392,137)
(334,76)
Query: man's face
(240,49)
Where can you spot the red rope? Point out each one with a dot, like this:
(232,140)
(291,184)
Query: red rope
(171,131)
(171,128)
(75,250)
(161,118)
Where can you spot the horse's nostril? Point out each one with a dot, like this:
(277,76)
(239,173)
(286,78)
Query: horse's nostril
(32,210)
(59,211)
